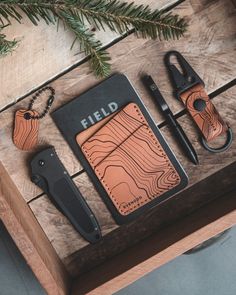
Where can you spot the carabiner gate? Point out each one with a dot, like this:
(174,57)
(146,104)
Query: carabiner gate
(185,80)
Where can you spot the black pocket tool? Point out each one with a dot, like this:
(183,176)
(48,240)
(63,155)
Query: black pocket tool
(51,176)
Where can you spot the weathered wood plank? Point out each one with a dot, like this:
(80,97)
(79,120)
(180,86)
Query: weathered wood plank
(133,56)
(43,53)
(167,213)
(30,238)
(17,161)
(60,232)
(165,245)
(57,227)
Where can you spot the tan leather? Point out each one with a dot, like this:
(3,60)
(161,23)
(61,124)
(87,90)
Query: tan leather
(115,132)
(25,135)
(84,135)
(209,120)
(129,161)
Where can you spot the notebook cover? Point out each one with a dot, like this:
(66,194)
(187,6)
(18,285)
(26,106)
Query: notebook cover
(91,107)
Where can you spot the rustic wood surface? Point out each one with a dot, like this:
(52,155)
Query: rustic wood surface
(43,54)
(163,246)
(125,54)
(210,41)
(30,238)
(57,227)
(168,213)
(60,231)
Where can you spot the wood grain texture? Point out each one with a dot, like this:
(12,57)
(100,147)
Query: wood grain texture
(209,163)
(194,196)
(159,249)
(167,213)
(43,53)
(61,234)
(12,157)
(30,239)
(133,56)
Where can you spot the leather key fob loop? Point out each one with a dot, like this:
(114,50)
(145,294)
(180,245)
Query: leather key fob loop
(190,90)
(203,112)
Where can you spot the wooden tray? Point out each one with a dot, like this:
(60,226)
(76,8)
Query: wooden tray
(60,258)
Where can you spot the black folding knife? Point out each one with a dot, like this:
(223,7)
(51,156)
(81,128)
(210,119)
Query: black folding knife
(51,176)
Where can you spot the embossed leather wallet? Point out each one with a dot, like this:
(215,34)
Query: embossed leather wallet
(121,149)
(128,159)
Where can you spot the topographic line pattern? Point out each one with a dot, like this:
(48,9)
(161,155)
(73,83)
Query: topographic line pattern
(129,161)
(25,135)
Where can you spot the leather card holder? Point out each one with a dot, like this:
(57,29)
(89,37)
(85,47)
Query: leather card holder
(129,161)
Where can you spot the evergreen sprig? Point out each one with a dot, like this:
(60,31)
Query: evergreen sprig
(6,46)
(118,16)
(99,60)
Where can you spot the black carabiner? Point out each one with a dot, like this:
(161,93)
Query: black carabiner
(224,147)
(181,81)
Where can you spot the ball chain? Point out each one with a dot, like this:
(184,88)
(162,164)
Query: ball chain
(48,104)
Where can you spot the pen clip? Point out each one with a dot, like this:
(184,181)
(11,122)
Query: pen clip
(148,81)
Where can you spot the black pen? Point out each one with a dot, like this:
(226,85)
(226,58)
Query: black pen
(177,129)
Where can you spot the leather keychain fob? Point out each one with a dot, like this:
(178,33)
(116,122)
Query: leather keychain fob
(26,123)
(51,176)
(190,90)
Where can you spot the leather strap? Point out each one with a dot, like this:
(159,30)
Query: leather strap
(203,112)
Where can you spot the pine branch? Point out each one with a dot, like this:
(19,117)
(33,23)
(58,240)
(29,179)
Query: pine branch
(6,46)
(33,9)
(120,16)
(99,58)
(117,15)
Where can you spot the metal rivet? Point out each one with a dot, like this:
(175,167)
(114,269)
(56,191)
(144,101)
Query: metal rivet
(41,162)
(27,116)
(199,104)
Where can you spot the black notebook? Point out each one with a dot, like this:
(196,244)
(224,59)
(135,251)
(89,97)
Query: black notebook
(112,112)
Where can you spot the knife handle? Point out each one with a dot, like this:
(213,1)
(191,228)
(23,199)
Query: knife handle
(49,174)
(72,204)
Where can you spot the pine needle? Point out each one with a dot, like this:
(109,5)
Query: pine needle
(99,58)
(119,16)
(6,46)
